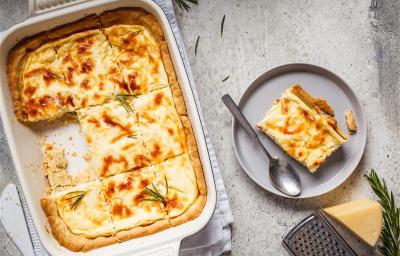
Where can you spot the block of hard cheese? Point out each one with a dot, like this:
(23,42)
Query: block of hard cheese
(363,217)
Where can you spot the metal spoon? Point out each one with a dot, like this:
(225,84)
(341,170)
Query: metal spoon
(282,174)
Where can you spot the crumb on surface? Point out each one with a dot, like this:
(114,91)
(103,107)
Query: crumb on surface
(55,169)
(350,122)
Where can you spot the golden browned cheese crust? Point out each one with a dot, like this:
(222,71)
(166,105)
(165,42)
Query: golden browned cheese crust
(55,164)
(15,63)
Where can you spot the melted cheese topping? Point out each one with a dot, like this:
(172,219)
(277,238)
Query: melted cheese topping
(125,193)
(139,57)
(41,81)
(140,149)
(89,67)
(90,217)
(160,125)
(114,139)
(301,131)
(68,74)
(182,185)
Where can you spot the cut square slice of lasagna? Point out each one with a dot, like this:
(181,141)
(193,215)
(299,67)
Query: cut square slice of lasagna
(89,68)
(138,54)
(302,129)
(114,139)
(82,209)
(43,93)
(79,217)
(139,57)
(178,175)
(133,200)
(160,125)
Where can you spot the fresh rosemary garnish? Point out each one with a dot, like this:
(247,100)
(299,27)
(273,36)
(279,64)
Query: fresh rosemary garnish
(390,244)
(123,100)
(184,4)
(137,32)
(155,195)
(197,44)
(222,25)
(133,136)
(226,78)
(77,197)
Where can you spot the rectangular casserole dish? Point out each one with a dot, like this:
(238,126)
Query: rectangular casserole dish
(25,150)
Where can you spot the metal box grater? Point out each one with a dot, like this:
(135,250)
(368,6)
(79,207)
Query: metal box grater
(315,236)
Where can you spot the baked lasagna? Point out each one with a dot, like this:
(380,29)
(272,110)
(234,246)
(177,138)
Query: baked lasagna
(113,73)
(303,127)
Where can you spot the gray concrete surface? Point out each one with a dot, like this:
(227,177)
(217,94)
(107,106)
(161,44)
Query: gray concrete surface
(359,40)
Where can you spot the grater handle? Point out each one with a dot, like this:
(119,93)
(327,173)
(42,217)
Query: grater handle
(37,7)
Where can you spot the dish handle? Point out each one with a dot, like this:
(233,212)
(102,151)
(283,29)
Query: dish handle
(168,249)
(37,7)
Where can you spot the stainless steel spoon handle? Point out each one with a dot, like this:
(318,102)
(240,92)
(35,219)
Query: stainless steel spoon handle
(237,113)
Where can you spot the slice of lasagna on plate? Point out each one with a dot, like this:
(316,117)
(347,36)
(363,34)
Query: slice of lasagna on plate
(302,129)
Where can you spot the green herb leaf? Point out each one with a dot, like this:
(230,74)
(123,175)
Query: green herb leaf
(137,32)
(166,185)
(222,25)
(155,195)
(226,78)
(184,4)
(390,244)
(197,44)
(133,136)
(153,199)
(77,197)
(126,95)
(123,100)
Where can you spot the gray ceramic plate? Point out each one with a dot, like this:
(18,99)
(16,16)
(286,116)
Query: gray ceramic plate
(319,82)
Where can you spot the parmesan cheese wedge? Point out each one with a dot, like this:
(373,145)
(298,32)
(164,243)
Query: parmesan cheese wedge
(363,217)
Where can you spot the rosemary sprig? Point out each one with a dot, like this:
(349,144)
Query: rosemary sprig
(222,25)
(184,4)
(155,195)
(226,78)
(197,44)
(123,100)
(390,244)
(133,136)
(137,32)
(77,197)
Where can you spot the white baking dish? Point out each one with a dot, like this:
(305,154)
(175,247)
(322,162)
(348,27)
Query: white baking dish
(27,153)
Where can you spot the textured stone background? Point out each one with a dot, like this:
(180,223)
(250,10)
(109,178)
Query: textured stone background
(358,40)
